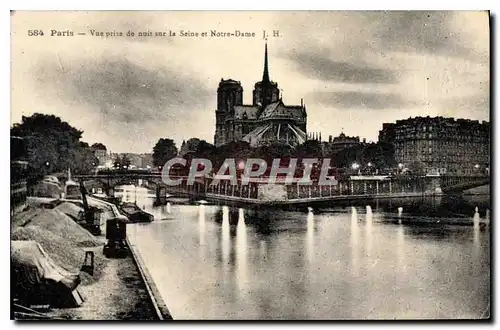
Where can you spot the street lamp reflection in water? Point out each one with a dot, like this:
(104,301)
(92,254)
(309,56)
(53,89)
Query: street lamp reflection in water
(400,249)
(354,240)
(476,219)
(354,215)
(369,216)
(310,235)
(241,216)
(225,236)
(201,216)
(201,222)
(368,230)
(241,253)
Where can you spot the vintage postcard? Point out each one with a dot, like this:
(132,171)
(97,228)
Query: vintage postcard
(241,165)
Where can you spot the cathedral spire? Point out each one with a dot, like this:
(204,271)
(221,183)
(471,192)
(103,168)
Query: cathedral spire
(265,76)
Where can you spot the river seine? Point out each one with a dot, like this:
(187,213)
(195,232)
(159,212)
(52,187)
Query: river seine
(344,262)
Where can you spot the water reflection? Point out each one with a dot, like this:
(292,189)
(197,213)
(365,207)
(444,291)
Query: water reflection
(476,236)
(476,219)
(354,227)
(310,236)
(201,223)
(241,252)
(340,264)
(400,248)
(368,230)
(263,249)
(354,240)
(442,206)
(225,228)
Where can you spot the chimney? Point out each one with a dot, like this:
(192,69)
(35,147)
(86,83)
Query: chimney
(302,102)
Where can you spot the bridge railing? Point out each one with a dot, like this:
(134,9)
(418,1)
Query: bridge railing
(358,185)
(253,190)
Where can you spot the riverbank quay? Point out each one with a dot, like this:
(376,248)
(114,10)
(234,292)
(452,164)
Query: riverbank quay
(159,306)
(115,289)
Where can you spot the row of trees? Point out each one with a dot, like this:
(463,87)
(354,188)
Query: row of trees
(52,145)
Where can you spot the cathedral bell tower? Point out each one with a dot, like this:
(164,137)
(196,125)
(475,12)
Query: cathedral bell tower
(229,94)
(265,91)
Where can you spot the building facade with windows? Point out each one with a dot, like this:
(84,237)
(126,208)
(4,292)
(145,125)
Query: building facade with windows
(341,142)
(440,145)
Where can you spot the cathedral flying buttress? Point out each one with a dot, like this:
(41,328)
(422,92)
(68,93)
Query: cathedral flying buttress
(267,120)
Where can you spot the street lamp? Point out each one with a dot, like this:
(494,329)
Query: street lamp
(400,166)
(476,166)
(355,166)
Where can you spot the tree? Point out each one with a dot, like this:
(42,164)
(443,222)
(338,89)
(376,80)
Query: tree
(121,162)
(52,145)
(416,168)
(308,149)
(125,161)
(163,151)
(85,160)
(99,146)
(346,157)
(196,148)
(117,162)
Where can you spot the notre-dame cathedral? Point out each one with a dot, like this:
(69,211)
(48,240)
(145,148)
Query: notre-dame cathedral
(265,121)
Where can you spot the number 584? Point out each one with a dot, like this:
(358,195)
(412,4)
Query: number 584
(35,33)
